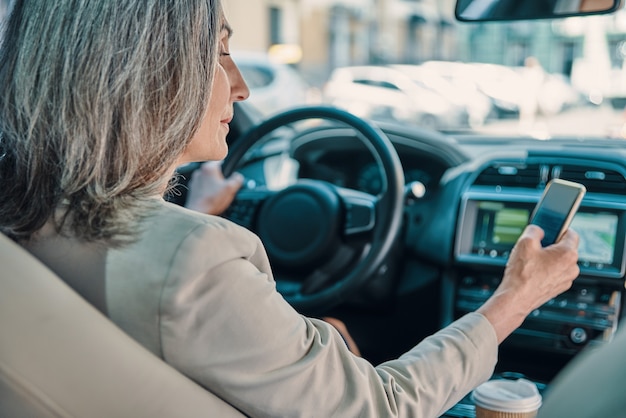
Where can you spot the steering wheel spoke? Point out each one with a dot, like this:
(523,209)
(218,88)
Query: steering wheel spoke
(325,275)
(245,207)
(360,211)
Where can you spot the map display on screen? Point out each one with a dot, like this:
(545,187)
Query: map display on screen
(597,236)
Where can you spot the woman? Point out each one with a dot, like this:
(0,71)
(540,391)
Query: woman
(100,102)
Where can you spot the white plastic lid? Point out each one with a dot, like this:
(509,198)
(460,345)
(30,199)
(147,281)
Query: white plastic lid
(512,396)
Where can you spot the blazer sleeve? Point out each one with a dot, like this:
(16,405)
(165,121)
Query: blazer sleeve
(223,324)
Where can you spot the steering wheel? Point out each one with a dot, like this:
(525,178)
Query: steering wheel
(324,241)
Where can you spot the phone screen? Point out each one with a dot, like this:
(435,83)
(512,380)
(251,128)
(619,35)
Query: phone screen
(554,210)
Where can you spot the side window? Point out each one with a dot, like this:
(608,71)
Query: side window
(387,85)
(364,82)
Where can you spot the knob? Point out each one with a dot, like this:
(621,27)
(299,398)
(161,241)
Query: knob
(578,335)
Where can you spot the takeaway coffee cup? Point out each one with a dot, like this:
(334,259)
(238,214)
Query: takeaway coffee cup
(506,399)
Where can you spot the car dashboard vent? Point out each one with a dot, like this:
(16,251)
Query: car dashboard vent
(510,175)
(597,180)
(536,175)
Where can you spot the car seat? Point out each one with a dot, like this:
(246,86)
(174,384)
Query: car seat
(591,385)
(60,357)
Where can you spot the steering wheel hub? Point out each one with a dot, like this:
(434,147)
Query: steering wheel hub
(300,225)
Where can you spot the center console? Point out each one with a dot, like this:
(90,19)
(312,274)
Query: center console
(491,221)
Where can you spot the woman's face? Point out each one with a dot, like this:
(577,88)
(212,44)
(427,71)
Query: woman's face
(209,141)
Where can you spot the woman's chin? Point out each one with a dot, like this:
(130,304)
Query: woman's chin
(208,155)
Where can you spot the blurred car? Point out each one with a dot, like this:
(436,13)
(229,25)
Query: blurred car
(558,94)
(387,94)
(477,105)
(502,84)
(499,83)
(274,86)
(505,87)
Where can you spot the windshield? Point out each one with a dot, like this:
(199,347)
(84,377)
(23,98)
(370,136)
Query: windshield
(411,62)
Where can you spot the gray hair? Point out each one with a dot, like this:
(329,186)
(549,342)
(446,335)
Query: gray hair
(98,99)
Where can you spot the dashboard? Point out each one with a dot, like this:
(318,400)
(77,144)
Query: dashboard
(456,238)
(480,194)
(361,172)
(340,158)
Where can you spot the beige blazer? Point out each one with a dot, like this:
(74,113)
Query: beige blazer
(198,291)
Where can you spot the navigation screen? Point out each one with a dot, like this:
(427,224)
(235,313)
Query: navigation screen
(498,225)
(509,225)
(597,236)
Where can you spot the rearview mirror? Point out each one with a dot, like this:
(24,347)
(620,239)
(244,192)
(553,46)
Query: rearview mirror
(490,10)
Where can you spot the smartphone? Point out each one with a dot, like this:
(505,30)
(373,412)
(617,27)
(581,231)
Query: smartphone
(556,208)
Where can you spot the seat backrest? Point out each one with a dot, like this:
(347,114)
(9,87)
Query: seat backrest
(591,385)
(60,357)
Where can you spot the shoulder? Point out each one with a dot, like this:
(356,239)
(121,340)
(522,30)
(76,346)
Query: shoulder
(172,222)
(187,233)
(176,250)
(174,241)
(170,213)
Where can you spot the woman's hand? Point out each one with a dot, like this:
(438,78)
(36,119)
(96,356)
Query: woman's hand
(343,330)
(533,276)
(209,191)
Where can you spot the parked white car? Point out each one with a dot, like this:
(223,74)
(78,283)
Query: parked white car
(466,95)
(384,93)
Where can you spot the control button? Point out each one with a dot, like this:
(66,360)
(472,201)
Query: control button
(578,335)
(585,295)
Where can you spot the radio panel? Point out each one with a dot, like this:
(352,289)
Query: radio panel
(587,313)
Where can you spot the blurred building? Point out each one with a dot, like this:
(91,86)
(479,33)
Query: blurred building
(317,36)
(335,33)
(259,24)
(590,52)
